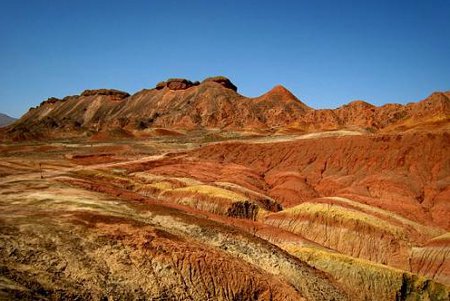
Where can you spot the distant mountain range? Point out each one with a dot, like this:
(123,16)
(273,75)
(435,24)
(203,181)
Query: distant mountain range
(6,120)
(214,104)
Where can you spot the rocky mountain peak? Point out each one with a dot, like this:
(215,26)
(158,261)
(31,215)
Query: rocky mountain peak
(281,91)
(360,104)
(221,80)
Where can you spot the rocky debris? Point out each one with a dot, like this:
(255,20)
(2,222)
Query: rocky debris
(222,80)
(116,94)
(176,84)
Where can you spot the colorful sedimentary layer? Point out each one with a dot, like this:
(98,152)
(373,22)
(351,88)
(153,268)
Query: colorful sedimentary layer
(191,191)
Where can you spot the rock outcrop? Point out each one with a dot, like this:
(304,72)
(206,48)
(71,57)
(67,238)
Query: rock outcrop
(176,84)
(221,80)
(115,94)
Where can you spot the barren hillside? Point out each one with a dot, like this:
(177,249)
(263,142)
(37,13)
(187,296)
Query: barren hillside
(191,191)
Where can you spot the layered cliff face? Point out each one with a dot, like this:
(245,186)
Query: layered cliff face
(213,104)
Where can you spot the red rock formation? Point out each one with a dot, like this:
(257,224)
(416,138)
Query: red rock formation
(215,104)
(388,167)
(375,197)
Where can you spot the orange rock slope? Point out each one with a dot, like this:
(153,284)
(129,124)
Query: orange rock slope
(213,104)
(378,197)
(225,197)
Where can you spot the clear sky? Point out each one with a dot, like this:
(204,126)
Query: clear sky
(326,52)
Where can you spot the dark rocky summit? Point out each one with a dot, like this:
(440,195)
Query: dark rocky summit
(222,80)
(183,84)
(108,92)
(176,84)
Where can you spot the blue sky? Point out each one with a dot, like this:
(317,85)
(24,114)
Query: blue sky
(326,52)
